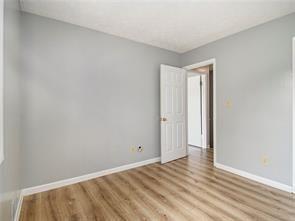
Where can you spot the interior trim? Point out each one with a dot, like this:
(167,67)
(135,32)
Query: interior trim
(65,182)
(256,178)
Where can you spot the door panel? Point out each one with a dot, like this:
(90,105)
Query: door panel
(173,128)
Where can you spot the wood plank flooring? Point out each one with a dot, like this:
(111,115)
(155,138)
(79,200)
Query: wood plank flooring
(186,189)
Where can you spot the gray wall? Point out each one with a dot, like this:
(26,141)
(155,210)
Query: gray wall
(254,71)
(10,169)
(87,97)
(80,88)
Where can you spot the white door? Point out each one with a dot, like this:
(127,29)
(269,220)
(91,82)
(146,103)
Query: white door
(173,109)
(194,102)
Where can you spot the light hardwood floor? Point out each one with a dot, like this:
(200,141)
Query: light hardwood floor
(186,189)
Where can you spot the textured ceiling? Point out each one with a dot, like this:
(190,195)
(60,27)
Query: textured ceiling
(177,25)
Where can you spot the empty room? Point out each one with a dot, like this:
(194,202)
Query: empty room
(147,110)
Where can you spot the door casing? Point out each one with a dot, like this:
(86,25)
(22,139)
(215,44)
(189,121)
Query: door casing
(211,61)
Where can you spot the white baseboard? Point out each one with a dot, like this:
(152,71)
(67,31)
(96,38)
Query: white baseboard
(18,208)
(256,178)
(61,183)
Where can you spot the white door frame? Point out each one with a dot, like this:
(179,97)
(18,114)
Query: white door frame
(293,113)
(198,65)
(1,82)
(204,110)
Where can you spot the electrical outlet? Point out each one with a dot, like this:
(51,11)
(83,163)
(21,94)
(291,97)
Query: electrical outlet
(264,160)
(136,149)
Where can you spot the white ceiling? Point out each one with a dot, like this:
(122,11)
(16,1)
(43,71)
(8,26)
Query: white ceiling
(177,25)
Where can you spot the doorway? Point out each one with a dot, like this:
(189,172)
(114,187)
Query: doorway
(206,72)
(197,108)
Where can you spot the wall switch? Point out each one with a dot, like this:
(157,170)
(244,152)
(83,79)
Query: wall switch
(265,160)
(228,104)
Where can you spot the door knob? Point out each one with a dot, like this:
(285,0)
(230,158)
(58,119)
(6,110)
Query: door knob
(163,119)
